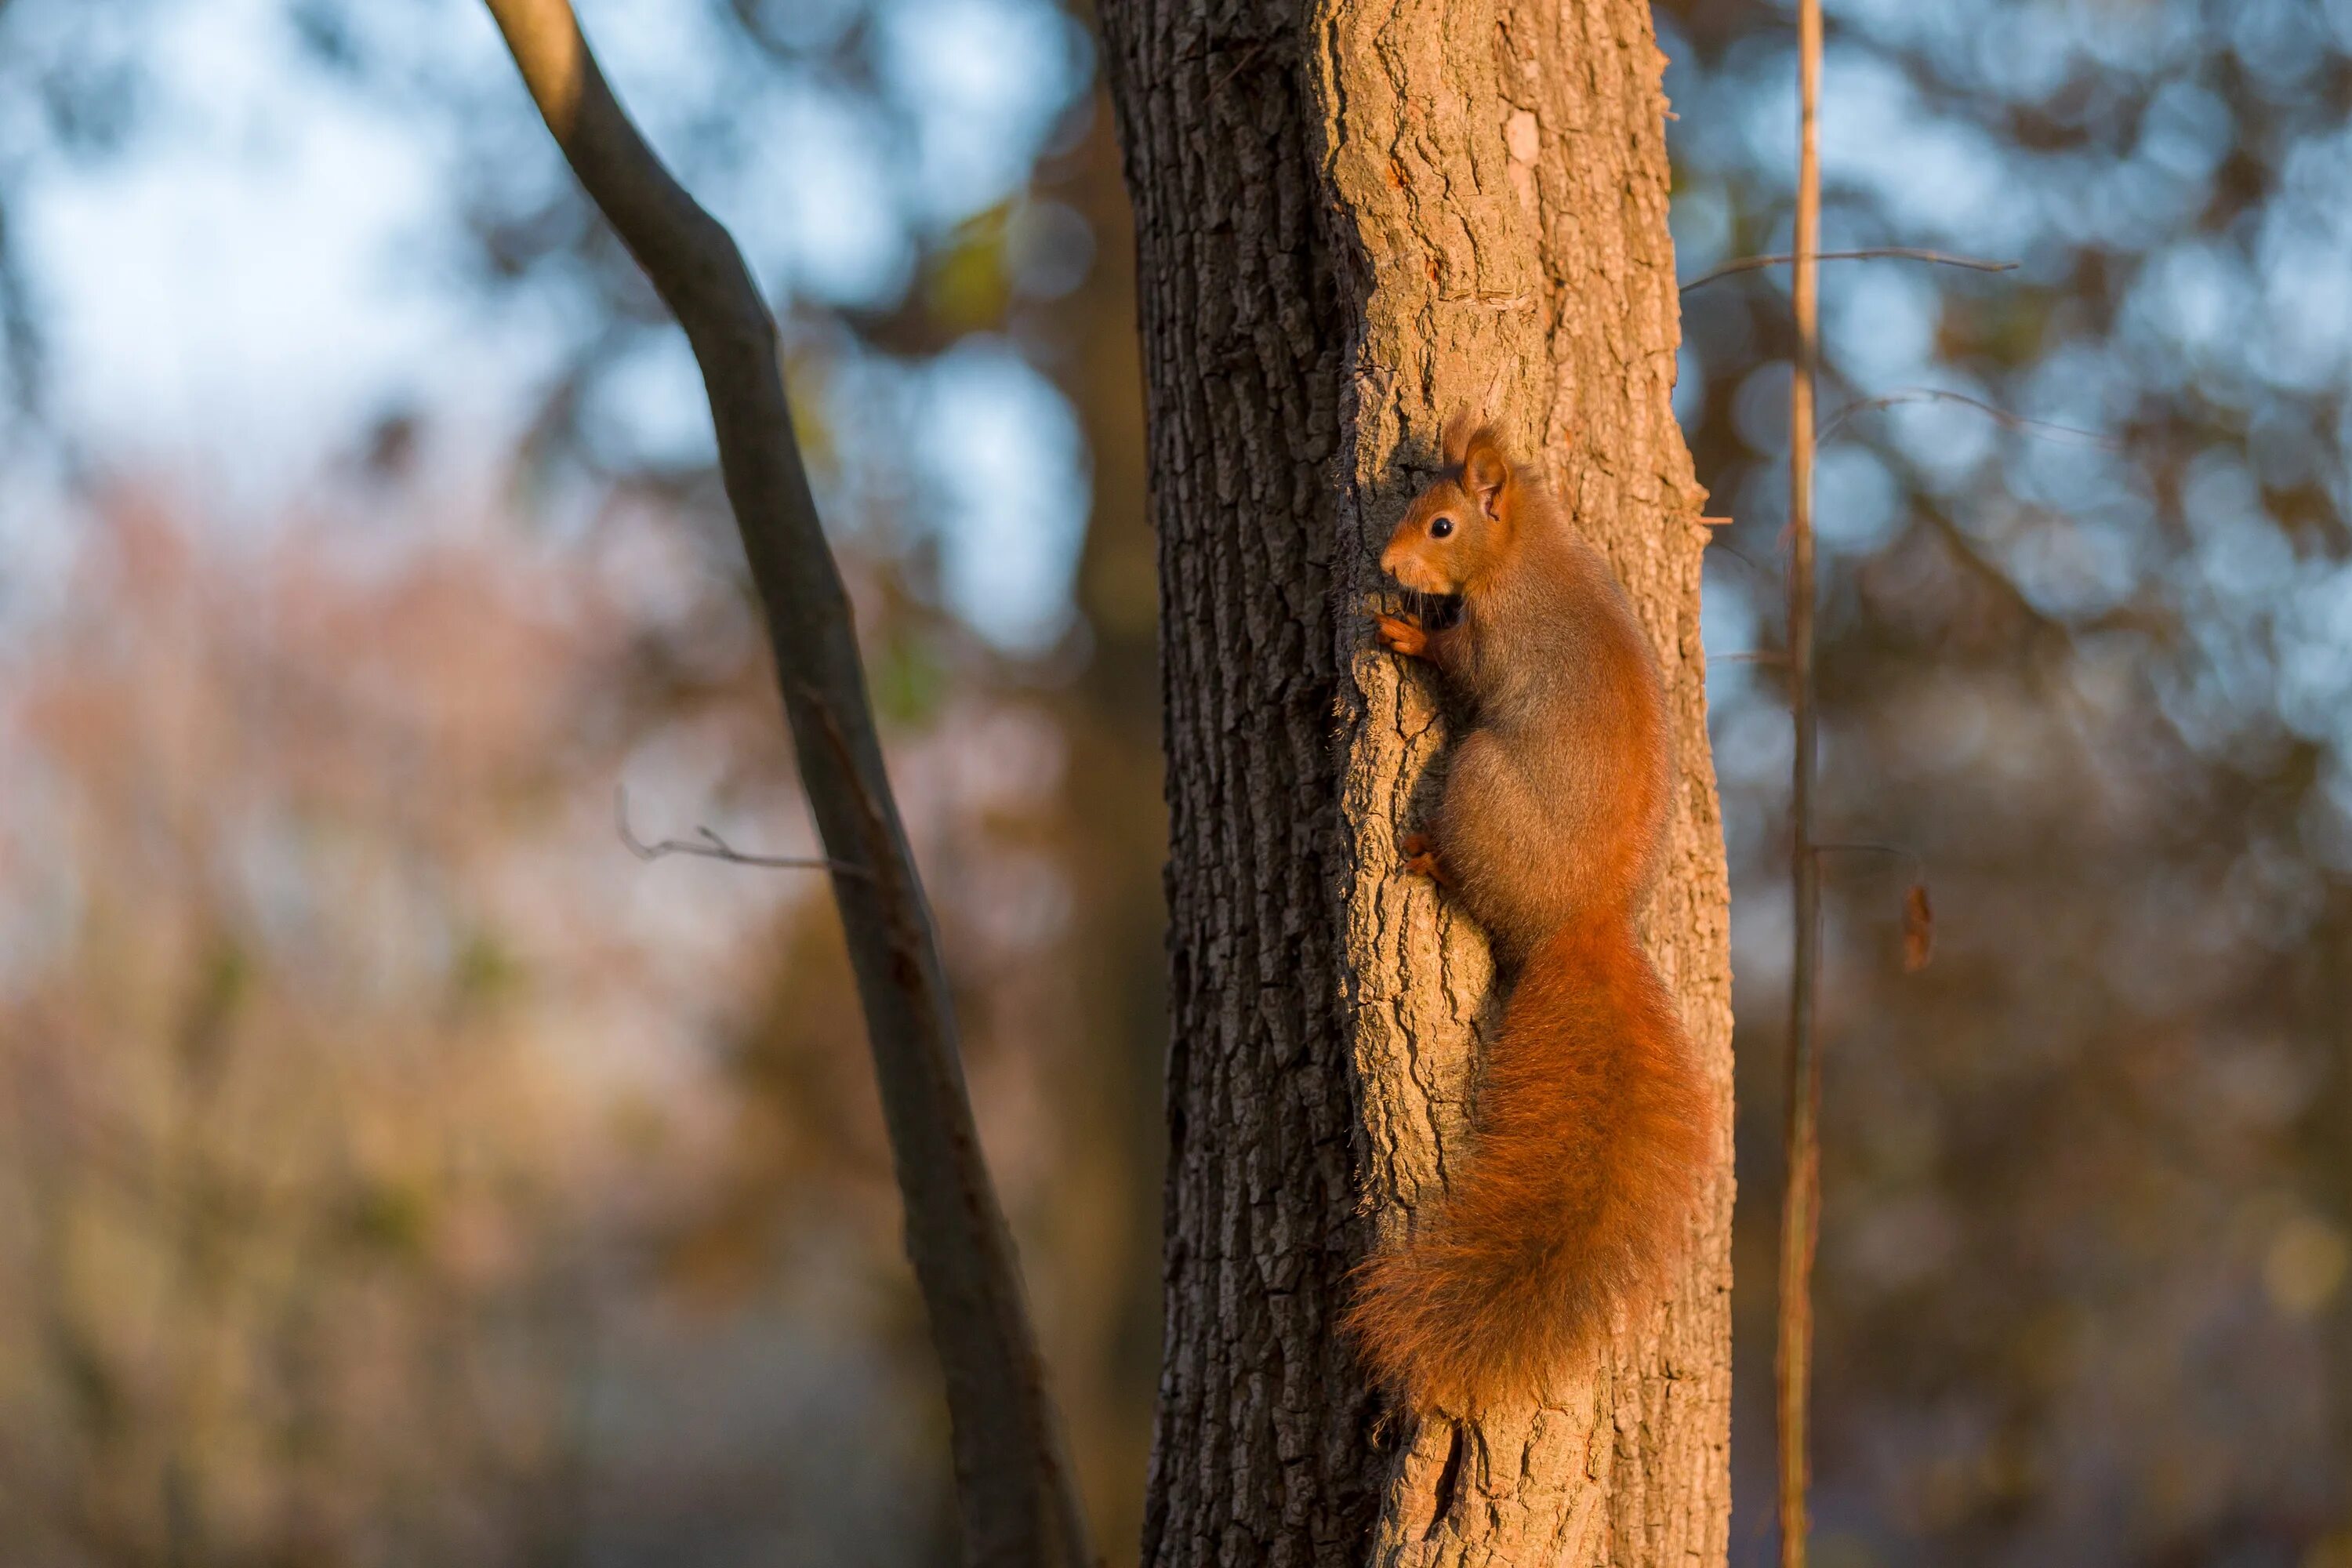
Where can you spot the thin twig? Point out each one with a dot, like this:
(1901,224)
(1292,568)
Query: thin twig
(2147,620)
(1014,1490)
(1874,253)
(1716,546)
(1800,1201)
(1984,569)
(710,847)
(1241,57)
(2002,417)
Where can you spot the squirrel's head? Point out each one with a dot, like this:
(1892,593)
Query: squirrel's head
(1462,527)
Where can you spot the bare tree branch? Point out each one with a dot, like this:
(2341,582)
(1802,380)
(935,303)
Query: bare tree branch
(2002,417)
(1875,253)
(1013,1485)
(710,847)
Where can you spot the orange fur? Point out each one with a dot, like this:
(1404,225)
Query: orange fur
(1593,1123)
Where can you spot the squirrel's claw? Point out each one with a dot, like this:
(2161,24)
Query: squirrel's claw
(1405,636)
(1420,860)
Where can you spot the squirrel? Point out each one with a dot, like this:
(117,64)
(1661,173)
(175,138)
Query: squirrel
(1593,1123)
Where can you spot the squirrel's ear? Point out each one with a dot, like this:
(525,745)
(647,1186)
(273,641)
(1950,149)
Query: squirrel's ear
(1454,441)
(1486,472)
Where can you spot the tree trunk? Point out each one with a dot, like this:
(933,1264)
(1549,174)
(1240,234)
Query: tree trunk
(1352,221)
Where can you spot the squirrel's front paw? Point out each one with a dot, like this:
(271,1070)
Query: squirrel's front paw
(1405,636)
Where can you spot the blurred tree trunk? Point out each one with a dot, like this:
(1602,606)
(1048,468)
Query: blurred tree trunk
(1352,221)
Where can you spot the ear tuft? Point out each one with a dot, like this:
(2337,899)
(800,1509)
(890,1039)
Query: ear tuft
(1460,430)
(1486,472)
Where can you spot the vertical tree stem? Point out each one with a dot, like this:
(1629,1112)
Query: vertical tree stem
(1353,221)
(1801,1203)
(1018,1507)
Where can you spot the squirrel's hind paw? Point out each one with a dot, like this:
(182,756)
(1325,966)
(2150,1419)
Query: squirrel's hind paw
(1420,860)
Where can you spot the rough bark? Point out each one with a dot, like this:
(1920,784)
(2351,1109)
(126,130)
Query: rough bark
(1352,219)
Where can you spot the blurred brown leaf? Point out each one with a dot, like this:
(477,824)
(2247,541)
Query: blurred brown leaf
(1918,929)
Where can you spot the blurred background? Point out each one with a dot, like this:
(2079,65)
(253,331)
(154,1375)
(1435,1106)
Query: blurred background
(392,1169)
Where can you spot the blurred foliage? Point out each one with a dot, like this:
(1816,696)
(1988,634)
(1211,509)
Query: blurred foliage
(614,1275)
(2088,1182)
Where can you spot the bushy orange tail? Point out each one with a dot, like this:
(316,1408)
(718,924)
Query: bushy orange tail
(1593,1135)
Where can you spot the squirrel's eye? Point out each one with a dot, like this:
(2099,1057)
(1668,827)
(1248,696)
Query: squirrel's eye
(1439,527)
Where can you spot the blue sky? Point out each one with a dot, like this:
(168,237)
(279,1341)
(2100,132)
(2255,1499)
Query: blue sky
(271,264)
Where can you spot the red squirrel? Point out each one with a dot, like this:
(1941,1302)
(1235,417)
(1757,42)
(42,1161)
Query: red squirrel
(1593,1123)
